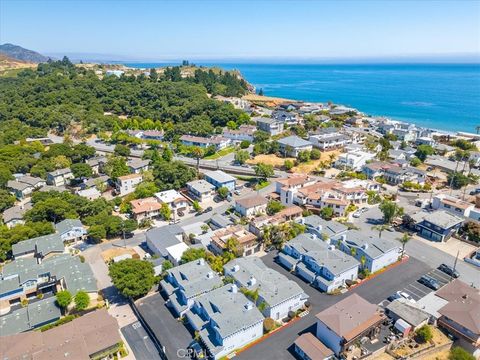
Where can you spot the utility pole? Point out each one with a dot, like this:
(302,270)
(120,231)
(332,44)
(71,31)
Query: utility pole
(454,265)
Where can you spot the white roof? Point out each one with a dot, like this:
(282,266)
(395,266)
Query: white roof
(89,192)
(176,251)
(168,196)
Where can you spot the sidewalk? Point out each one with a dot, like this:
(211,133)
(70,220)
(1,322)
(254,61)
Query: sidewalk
(451,247)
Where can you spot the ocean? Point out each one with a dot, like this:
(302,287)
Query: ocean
(438,96)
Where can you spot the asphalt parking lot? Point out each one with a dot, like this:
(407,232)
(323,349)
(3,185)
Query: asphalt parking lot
(376,290)
(170,332)
(142,346)
(418,291)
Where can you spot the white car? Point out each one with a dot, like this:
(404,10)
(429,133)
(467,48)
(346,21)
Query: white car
(356,214)
(406,296)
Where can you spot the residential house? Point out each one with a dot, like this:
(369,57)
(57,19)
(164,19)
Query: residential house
(288,187)
(89,336)
(39,247)
(318,263)
(185,282)
(293,145)
(126,184)
(24,278)
(59,177)
(201,190)
(353,160)
(327,139)
(251,205)
(166,241)
(424,140)
(409,312)
(71,230)
(219,142)
(271,126)
(14,215)
(277,295)
(137,166)
(243,133)
(23,319)
(246,242)
(101,181)
(375,169)
(288,118)
(175,201)
(322,229)
(308,347)
(34,181)
(437,226)
(19,189)
(461,316)
(225,320)
(219,179)
(452,204)
(258,224)
(143,209)
(346,322)
(396,175)
(97,164)
(373,252)
(153,135)
(90,193)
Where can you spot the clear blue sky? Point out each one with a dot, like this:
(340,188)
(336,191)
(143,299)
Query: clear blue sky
(222,29)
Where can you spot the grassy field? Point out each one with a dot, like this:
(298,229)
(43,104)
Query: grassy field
(220,153)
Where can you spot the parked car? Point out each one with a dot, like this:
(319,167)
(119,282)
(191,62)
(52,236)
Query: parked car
(237,192)
(217,199)
(356,214)
(393,297)
(406,296)
(429,282)
(449,270)
(475,192)
(208,209)
(195,351)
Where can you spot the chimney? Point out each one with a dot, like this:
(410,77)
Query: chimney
(234,288)
(201,262)
(235,268)
(343,237)
(210,275)
(319,228)
(252,281)
(249,305)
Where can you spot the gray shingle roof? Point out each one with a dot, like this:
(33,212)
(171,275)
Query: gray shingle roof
(15,212)
(294,141)
(67,225)
(219,176)
(195,277)
(408,312)
(272,286)
(17,185)
(330,228)
(163,237)
(43,244)
(229,311)
(373,246)
(202,186)
(442,218)
(60,172)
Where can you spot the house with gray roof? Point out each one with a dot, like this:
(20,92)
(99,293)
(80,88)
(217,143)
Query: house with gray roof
(318,262)
(225,320)
(292,145)
(24,277)
(71,230)
(34,315)
(14,215)
(219,179)
(39,247)
(321,228)
(407,311)
(97,163)
(437,226)
(185,282)
(19,189)
(167,242)
(277,295)
(59,177)
(136,165)
(201,190)
(94,181)
(271,126)
(376,252)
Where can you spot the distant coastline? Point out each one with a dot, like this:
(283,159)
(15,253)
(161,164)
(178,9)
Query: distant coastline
(437,96)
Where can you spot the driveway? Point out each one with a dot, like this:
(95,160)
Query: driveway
(170,332)
(140,343)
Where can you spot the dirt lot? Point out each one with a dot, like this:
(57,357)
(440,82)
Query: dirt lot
(109,254)
(303,168)
(439,339)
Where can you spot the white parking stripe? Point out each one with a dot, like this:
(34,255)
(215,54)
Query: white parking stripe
(420,290)
(413,292)
(442,276)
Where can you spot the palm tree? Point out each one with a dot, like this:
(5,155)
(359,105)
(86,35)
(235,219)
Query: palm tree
(471,164)
(353,251)
(198,154)
(404,240)
(458,157)
(380,229)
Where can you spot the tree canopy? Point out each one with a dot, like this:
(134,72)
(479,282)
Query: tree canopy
(133,278)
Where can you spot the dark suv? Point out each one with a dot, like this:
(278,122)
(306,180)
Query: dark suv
(449,270)
(429,282)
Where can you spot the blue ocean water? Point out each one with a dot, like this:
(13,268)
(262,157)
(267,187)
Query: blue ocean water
(439,96)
